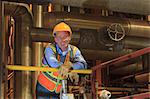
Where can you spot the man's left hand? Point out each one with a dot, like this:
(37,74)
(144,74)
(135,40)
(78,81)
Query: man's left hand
(74,77)
(64,69)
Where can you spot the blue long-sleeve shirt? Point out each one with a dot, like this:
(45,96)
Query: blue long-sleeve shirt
(51,60)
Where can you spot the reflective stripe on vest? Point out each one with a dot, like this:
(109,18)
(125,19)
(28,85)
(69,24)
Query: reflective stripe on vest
(52,80)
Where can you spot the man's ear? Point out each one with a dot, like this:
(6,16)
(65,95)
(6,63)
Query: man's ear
(56,40)
(70,37)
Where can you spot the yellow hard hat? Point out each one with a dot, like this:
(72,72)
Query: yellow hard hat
(62,27)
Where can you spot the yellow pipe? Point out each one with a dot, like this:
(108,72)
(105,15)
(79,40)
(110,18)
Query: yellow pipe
(35,68)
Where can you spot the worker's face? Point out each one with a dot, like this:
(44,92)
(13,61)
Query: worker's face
(63,39)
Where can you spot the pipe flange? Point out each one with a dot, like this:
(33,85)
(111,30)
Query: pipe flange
(116,31)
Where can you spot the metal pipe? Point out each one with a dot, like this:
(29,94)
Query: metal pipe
(90,29)
(136,28)
(81,21)
(139,28)
(37,61)
(38,15)
(136,42)
(45,35)
(37,53)
(88,39)
(37,47)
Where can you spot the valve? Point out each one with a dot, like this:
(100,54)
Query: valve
(116,31)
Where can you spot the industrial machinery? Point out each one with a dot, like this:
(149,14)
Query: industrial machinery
(104,36)
(127,84)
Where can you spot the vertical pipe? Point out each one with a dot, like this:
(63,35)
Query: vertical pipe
(4,54)
(36,61)
(17,55)
(26,60)
(37,46)
(38,15)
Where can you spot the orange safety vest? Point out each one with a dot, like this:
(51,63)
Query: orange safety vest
(51,80)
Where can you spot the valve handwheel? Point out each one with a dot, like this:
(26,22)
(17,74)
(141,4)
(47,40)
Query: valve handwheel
(116,32)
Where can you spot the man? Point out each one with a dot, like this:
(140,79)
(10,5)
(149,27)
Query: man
(59,55)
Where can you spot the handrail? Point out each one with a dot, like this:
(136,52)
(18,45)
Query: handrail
(36,68)
(122,58)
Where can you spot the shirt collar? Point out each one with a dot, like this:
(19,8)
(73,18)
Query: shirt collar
(60,51)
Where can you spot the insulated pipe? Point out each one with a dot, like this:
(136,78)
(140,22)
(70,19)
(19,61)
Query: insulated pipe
(37,53)
(93,28)
(136,42)
(26,56)
(45,35)
(81,20)
(38,15)
(23,19)
(136,28)
(37,46)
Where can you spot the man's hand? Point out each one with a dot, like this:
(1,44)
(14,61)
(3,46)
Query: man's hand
(74,77)
(68,64)
(64,69)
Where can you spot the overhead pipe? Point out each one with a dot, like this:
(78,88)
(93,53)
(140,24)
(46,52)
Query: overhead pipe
(89,29)
(136,42)
(136,28)
(45,35)
(139,30)
(23,19)
(81,21)
(86,34)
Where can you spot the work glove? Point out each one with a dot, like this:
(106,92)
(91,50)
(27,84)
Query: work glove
(64,69)
(74,77)
(82,89)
